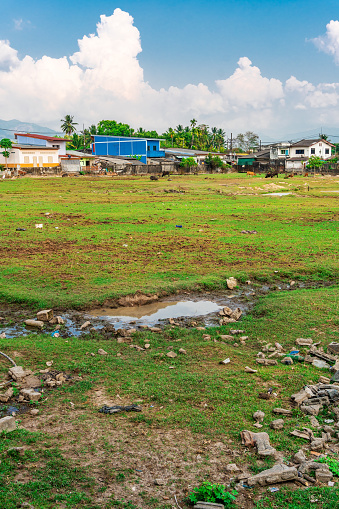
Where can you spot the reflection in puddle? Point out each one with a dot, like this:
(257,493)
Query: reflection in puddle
(152,313)
(276,194)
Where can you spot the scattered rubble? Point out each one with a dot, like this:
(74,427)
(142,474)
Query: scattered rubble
(277,474)
(259,440)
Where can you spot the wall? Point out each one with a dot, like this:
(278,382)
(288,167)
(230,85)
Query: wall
(70,165)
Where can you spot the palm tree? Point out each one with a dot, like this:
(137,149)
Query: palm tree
(193,123)
(68,125)
(221,138)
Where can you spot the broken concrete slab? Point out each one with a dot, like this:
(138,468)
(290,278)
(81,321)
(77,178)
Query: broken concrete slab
(34,323)
(45,315)
(277,474)
(30,394)
(299,397)
(299,457)
(266,362)
(323,475)
(304,341)
(7,424)
(6,396)
(260,440)
(208,505)
(333,348)
(282,411)
(18,372)
(277,424)
(311,409)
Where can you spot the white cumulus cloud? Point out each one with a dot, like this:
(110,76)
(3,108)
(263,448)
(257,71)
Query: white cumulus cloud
(329,43)
(104,80)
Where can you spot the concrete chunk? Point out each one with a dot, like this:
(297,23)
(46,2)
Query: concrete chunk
(45,316)
(7,424)
(278,473)
(304,341)
(208,505)
(34,323)
(18,372)
(5,396)
(277,424)
(30,394)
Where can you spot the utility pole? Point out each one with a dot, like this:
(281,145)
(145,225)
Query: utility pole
(83,131)
(231,142)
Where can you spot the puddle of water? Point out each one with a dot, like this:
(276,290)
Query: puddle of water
(276,194)
(150,314)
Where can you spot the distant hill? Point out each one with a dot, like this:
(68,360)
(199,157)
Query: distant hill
(331,132)
(9,127)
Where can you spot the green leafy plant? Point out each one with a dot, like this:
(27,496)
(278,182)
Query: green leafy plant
(332,463)
(214,493)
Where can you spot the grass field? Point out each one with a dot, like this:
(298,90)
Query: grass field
(104,238)
(109,237)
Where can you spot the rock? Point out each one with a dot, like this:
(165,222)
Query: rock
(34,323)
(227,311)
(324,380)
(206,337)
(236,331)
(287,360)
(231,283)
(261,355)
(311,409)
(304,341)
(323,475)
(57,320)
(266,362)
(317,444)
(278,473)
(85,325)
(308,359)
(7,424)
(34,411)
(258,416)
(30,394)
(3,335)
(4,397)
(30,381)
(299,397)
(333,348)
(18,372)
(171,354)
(236,345)
(232,467)
(147,346)
(277,424)
(155,329)
(27,505)
(335,377)
(250,370)
(182,351)
(49,363)
(226,320)
(159,482)
(319,363)
(45,316)
(226,337)
(299,457)
(102,352)
(131,331)
(260,440)
(282,411)
(208,505)
(236,314)
(314,422)
(226,361)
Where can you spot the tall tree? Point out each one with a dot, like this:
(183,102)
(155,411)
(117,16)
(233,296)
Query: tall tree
(68,125)
(6,144)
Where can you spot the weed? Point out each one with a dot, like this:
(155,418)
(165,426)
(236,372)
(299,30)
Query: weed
(214,493)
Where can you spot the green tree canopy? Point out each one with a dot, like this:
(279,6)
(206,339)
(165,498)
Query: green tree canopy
(6,143)
(68,125)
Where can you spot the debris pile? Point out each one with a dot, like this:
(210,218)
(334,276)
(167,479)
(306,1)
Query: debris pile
(230,315)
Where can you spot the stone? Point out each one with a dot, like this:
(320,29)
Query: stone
(314,422)
(232,467)
(182,351)
(250,370)
(227,311)
(278,473)
(277,424)
(18,372)
(299,397)
(304,341)
(237,331)
(30,394)
(311,409)
(282,411)
(147,346)
(266,362)
(333,348)
(260,440)
(30,381)
(324,380)
(287,360)
(323,475)
(85,325)
(131,331)
(258,416)
(171,354)
(7,424)
(155,329)
(335,377)
(319,363)
(102,352)
(226,337)
(299,457)
(226,361)
(231,283)
(317,444)
(208,505)
(34,323)
(308,359)
(45,316)
(4,397)
(57,320)
(236,314)
(34,411)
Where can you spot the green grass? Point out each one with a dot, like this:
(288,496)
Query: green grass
(86,259)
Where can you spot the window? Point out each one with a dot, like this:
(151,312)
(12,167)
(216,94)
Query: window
(283,152)
(56,146)
(299,151)
(148,148)
(312,150)
(154,147)
(327,150)
(26,159)
(50,159)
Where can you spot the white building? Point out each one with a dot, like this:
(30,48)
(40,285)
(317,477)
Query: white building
(28,156)
(301,151)
(42,141)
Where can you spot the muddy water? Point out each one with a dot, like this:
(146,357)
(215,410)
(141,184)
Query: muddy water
(152,313)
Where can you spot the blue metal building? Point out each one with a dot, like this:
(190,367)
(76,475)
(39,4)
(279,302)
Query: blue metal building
(126,147)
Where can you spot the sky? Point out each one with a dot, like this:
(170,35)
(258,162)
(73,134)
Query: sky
(269,66)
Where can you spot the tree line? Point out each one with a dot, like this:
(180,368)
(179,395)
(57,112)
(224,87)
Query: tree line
(195,136)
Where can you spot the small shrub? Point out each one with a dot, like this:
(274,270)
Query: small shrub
(215,493)
(332,463)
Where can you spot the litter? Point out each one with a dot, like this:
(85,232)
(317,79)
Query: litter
(178,226)
(226,361)
(273,489)
(20,230)
(118,408)
(55,334)
(39,225)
